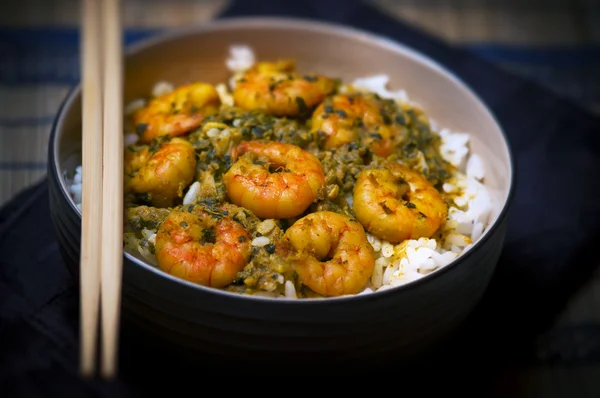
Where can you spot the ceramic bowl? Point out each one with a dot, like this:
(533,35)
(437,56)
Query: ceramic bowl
(406,320)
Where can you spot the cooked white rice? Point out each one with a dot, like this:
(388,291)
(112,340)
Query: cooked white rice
(395,264)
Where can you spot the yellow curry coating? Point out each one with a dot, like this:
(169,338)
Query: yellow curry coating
(276,88)
(273,180)
(348,118)
(395,204)
(282,187)
(160,173)
(178,112)
(196,246)
(330,253)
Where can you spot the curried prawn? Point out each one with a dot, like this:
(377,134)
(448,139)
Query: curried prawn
(273,180)
(330,253)
(161,173)
(347,118)
(176,113)
(395,203)
(277,89)
(195,244)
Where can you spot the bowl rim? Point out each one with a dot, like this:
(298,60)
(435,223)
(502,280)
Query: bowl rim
(332,28)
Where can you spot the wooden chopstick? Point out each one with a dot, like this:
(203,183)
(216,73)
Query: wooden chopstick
(91,204)
(112,189)
(102,180)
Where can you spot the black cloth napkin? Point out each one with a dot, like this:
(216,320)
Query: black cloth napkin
(549,249)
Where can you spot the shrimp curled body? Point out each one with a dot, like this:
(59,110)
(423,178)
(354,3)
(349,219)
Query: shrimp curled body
(275,88)
(347,118)
(161,173)
(273,180)
(178,112)
(330,253)
(396,203)
(194,245)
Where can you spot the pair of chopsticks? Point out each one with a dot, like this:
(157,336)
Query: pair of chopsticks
(102,180)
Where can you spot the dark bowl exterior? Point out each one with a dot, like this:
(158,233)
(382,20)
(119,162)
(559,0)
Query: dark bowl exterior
(406,321)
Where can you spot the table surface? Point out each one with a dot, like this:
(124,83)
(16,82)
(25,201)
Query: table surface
(555,42)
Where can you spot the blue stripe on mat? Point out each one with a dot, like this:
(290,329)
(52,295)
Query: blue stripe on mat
(26,122)
(557,56)
(46,55)
(50,55)
(21,166)
(40,37)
